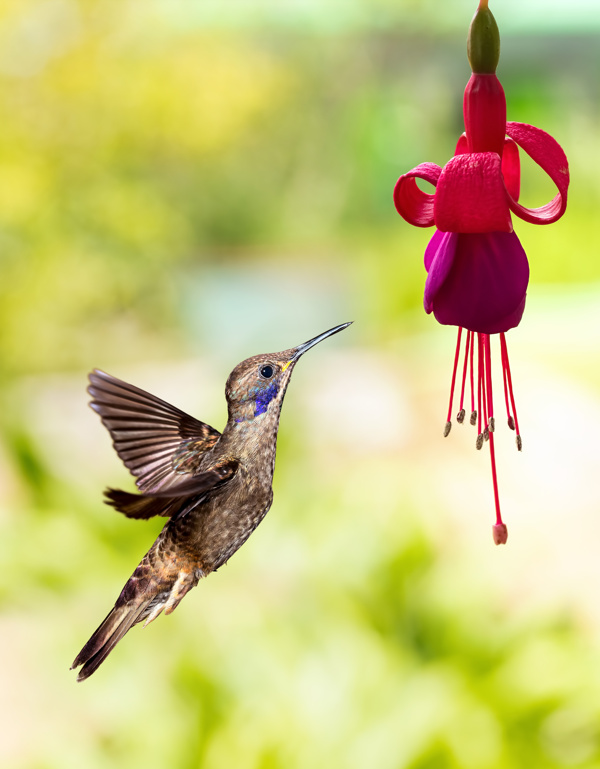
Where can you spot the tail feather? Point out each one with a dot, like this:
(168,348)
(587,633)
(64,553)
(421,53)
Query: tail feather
(106,637)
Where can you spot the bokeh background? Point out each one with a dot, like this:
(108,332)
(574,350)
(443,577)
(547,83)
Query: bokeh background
(184,183)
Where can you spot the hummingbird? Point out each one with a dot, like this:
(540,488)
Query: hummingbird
(215,488)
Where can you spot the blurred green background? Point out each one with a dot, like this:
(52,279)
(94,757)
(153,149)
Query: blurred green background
(185,183)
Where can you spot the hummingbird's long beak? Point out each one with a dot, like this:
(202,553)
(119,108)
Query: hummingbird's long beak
(301,349)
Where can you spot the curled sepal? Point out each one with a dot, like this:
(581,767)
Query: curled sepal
(412,203)
(511,169)
(471,195)
(544,150)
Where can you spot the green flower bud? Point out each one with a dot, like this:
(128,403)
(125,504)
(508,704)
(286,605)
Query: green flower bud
(483,42)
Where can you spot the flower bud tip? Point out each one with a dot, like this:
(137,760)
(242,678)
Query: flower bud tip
(500,533)
(483,42)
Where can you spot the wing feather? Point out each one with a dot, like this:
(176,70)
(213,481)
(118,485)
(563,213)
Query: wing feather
(147,432)
(175,501)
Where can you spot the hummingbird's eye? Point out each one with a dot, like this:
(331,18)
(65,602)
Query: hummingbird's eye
(267,371)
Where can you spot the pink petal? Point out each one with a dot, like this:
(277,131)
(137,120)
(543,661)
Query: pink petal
(548,154)
(471,196)
(511,168)
(484,287)
(439,256)
(413,204)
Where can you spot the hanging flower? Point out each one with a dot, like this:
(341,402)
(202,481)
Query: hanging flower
(477,270)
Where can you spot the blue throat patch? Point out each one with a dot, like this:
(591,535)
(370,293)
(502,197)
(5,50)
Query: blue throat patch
(265,397)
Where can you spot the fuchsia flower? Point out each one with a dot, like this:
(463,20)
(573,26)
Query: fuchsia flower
(477,270)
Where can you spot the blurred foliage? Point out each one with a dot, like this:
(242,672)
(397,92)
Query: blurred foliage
(177,176)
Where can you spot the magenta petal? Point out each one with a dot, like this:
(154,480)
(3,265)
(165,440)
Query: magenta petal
(484,289)
(439,256)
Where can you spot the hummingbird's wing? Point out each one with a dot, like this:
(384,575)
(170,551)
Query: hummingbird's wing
(175,501)
(148,433)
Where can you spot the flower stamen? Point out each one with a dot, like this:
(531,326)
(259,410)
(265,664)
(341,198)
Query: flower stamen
(448,425)
(484,415)
(473,418)
(513,421)
(481,409)
(460,417)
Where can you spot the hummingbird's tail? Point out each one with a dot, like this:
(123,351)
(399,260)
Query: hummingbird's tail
(142,599)
(107,636)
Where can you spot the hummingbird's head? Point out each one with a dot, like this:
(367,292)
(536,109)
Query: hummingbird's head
(256,386)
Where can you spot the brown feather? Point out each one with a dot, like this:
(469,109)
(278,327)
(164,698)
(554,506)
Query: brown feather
(147,432)
(106,637)
(176,501)
(139,506)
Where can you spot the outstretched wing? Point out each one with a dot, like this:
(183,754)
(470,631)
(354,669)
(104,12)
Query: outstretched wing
(177,500)
(157,442)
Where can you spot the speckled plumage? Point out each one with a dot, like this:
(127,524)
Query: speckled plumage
(214,488)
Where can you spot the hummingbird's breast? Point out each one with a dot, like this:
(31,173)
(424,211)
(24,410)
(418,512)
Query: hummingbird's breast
(224,520)
(227,518)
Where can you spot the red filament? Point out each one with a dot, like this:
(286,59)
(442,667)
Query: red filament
(456,356)
(485,398)
(472,336)
(508,380)
(464,374)
(488,377)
